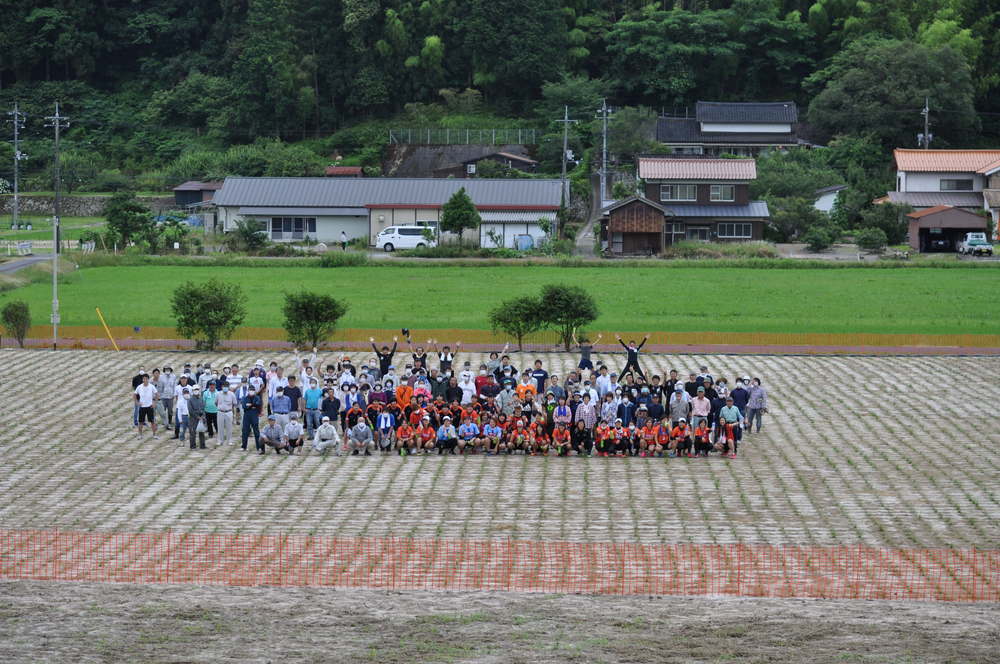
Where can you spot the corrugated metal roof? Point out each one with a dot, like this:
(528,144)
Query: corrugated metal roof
(514,217)
(198,185)
(754,209)
(931,198)
(945,161)
(719,111)
(359,192)
(688,130)
(675,168)
(306,212)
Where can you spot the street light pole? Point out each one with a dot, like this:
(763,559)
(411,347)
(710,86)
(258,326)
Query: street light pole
(58,121)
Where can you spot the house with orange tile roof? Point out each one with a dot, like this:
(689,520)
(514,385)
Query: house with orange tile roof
(964,179)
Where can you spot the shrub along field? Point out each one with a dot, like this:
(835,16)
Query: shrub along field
(677,299)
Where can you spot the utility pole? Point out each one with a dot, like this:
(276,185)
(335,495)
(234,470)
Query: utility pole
(604,150)
(58,122)
(17,119)
(565,153)
(925,138)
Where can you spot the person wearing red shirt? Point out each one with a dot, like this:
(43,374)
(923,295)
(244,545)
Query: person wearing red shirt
(604,438)
(427,435)
(540,441)
(702,442)
(483,379)
(561,440)
(518,438)
(725,440)
(621,438)
(406,439)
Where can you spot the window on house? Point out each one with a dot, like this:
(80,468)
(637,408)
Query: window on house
(735,230)
(678,192)
(617,243)
(956,185)
(292,228)
(673,227)
(723,192)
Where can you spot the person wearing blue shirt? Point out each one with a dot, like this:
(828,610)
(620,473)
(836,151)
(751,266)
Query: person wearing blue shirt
(447,437)
(281,406)
(469,435)
(313,398)
(252,406)
(385,428)
(493,434)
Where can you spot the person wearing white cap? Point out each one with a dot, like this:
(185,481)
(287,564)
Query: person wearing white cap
(326,436)
(294,433)
(447,437)
(680,438)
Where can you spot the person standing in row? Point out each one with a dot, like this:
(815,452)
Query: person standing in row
(210,396)
(145,397)
(225,404)
(166,386)
(196,417)
(251,406)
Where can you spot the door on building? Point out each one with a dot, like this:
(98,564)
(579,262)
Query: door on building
(700,233)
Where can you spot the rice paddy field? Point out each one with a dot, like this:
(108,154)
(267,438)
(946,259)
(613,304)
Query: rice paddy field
(887,453)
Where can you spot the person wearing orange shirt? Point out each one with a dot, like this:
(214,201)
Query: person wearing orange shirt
(680,438)
(426,435)
(561,440)
(663,435)
(518,438)
(403,395)
(526,389)
(604,438)
(406,439)
(649,445)
(621,438)
(702,439)
(540,441)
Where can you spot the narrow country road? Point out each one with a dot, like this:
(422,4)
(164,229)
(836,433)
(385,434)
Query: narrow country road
(14,266)
(585,237)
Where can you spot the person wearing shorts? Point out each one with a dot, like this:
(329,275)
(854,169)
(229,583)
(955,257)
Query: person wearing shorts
(145,396)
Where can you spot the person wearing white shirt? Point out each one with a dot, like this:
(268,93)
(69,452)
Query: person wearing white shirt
(603,382)
(181,412)
(226,405)
(145,397)
(326,437)
(302,363)
(294,433)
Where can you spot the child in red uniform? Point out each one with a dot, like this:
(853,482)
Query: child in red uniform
(680,438)
(604,438)
(561,439)
(621,438)
(649,445)
(406,439)
(725,440)
(426,434)
(518,438)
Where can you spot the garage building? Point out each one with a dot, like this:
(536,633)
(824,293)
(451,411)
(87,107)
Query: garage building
(942,227)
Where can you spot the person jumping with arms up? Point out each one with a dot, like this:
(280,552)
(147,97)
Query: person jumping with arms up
(632,354)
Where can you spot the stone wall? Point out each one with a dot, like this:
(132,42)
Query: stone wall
(75,206)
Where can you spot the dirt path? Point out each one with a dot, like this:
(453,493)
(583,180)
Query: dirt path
(85,623)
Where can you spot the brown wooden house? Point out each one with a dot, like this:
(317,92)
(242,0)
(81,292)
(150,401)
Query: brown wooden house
(685,199)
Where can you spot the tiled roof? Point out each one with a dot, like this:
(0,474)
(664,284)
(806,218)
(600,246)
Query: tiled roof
(688,130)
(343,170)
(930,210)
(399,192)
(946,161)
(923,199)
(677,168)
(752,210)
(197,185)
(766,112)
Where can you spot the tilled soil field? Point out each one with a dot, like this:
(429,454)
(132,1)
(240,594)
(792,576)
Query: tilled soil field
(891,452)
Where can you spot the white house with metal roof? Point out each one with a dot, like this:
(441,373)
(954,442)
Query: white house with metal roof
(320,208)
(740,128)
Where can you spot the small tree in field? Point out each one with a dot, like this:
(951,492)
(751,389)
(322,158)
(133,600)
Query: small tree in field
(17,319)
(518,317)
(459,213)
(567,308)
(872,240)
(208,312)
(310,318)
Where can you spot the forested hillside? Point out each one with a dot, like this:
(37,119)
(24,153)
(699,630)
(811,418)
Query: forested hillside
(144,82)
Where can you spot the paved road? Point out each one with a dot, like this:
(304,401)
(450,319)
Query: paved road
(584,245)
(15,265)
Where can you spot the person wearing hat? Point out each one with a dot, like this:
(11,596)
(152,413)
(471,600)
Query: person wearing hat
(701,407)
(166,386)
(447,436)
(272,435)
(225,404)
(251,405)
(426,434)
(620,436)
(680,438)
(360,439)
(326,436)
(196,418)
(295,434)
(641,416)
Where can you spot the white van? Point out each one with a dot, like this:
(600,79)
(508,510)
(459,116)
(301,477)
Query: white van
(404,237)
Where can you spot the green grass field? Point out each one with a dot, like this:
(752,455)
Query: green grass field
(679,299)
(71,229)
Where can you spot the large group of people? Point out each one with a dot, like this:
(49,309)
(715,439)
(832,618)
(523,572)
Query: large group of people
(431,403)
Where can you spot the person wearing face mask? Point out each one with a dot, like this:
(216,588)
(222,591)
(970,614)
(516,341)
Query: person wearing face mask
(281,406)
(251,406)
(181,412)
(166,386)
(506,400)
(468,386)
(225,404)
(609,409)
(136,382)
(210,396)
(586,412)
(196,414)
(756,406)
(626,410)
(482,379)
(741,394)
(311,400)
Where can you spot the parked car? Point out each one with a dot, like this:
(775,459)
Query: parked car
(404,237)
(975,244)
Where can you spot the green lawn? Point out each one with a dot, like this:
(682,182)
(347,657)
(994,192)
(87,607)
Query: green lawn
(71,227)
(901,300)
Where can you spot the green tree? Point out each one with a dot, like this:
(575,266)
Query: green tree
(872,240)
(247,236)
(459,214)
(890,218)
(518,317)
(631,131)
(127,218)
(310,318)
(16,318)
(817,239)
(567,308)
(878,86)
(792,217)
(208,312)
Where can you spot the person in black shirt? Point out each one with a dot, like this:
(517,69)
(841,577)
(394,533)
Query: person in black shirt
(330,406)
(385,355)
(294,394)
(632,353)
